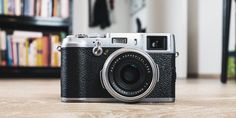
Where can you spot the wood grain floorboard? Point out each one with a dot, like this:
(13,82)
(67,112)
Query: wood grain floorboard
(41,98)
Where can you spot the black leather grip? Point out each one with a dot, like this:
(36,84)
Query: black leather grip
(80,73)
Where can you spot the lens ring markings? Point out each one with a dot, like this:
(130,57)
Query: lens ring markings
(110,86)
(117,81)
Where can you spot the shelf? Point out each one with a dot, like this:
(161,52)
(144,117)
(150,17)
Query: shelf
(232,53)
(34,23)
(29,72)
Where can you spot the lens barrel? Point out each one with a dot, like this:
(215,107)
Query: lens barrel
(129,74)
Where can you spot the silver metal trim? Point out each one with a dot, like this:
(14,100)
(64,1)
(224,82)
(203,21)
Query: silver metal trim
(59,48)
(107,85)
(134,40)
(101,79)
(150,100)
(97,49)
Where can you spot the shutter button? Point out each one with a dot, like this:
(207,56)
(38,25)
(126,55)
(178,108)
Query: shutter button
(97,50)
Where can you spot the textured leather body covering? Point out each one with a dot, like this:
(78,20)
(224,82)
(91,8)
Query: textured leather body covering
(80,74)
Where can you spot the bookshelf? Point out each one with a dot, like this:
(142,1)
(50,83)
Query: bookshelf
(35,23)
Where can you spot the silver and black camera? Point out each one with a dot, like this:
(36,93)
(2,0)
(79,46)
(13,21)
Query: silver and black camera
(127,67)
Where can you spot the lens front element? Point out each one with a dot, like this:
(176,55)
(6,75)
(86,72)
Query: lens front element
(129,74)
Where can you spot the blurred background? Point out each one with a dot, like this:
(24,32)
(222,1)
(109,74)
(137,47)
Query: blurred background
(31,30)
(197,25)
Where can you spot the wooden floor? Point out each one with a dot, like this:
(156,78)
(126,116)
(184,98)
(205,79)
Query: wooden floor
(41,98)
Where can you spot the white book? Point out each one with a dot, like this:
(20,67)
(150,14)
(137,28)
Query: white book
(31,8)
(0,41)
(27,34)
(38,7)
(64,8)
(17,50)
(14,54)
(3,40)
(0,49)
(44,8)
(20,37)
(17,7)
(21,56)
(32,54)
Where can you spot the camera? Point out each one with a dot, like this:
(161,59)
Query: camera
(118,67)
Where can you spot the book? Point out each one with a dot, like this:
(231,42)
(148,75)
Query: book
(55,57)
(58,8)
(0,48)
(17,54)
(31,7)
(22,7)
(21,40)
(45,51)
(39,50)
(5,7)
(17,50)
(26,7)
(3,48)
(38,7)
(22,53)
(64,8)
(45,8)
(50,8)
(11,7)
(28,48)
(55,8)
(17,7)
(24,34)
(9,50)
(26,52)
(14,53)
(32,52)
(1,6)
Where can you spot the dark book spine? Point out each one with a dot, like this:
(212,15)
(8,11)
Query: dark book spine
(17,54)
(22,7)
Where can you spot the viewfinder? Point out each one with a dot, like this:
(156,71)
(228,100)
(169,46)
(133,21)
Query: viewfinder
(157,42)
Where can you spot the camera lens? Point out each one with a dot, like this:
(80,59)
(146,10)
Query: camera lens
(129,74)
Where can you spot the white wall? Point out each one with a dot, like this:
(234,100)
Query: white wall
(232,27)
(171,16)
(205,36)
(161,16)
(204,29)
(121,19)
(141,14)
(81,18)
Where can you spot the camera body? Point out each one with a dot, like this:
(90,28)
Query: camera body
(127,67)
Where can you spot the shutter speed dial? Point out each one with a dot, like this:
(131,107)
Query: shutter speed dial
(97,50)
